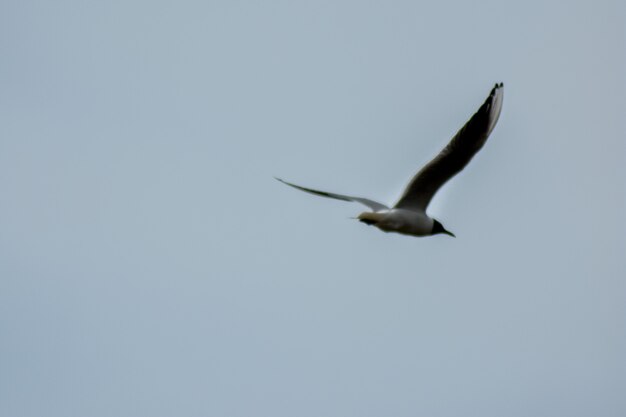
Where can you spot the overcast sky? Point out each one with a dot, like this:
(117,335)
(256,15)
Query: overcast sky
(151,266)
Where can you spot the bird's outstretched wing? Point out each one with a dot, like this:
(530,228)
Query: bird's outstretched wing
(369,203)
(455,156)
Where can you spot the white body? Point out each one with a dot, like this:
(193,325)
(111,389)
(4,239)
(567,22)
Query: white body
(402,221)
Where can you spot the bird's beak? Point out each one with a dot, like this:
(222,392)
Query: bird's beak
(449,233)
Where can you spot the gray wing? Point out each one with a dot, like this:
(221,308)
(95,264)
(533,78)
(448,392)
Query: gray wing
(455,156)
(369,203)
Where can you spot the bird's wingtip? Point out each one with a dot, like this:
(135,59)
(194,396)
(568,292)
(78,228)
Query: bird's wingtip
(284,182)
(496,88)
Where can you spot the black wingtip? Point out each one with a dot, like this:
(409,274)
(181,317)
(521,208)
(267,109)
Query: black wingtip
(283,181)
(495,88)
(290,184)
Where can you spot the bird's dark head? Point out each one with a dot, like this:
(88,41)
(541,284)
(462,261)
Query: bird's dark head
(438,228)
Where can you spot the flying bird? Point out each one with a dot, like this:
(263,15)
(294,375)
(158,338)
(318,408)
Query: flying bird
(408,216)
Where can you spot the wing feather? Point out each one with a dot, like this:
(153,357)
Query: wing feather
(376,206)
(455,156)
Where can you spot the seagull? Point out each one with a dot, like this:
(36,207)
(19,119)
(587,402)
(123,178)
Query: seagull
(408,216)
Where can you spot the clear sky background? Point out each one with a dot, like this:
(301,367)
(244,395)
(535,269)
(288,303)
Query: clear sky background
(151,266)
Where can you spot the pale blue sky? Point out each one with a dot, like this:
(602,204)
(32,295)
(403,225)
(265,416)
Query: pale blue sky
(151,266)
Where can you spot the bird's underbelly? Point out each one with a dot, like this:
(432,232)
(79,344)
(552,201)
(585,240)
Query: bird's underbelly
(406,222)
